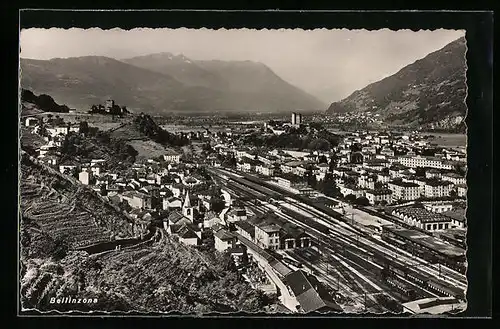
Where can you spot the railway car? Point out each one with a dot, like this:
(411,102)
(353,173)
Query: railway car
(445,290)
(402,287)
(416,277)
(292,262)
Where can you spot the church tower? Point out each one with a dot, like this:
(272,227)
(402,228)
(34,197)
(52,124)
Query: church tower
(187,208)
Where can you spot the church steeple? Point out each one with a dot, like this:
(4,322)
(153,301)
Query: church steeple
(187,208)
(187,201)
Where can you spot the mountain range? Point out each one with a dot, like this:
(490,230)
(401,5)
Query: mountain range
(164,82)
(427,93)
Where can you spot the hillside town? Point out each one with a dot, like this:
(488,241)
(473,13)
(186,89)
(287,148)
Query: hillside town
(378,180)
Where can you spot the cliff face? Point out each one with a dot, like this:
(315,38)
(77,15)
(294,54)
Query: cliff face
(429,92)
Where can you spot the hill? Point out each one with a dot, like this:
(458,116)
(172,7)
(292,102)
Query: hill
(41,103)
(181,68)
(161,83)
(430,92)
(84,81)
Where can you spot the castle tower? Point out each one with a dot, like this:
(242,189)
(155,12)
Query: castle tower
(187,208)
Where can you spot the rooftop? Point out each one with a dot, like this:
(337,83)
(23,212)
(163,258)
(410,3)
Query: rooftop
(434,305)
(403,184)
(224,235)
(422,215)
(246,226)
(379,192)
(438,183)
(456,214)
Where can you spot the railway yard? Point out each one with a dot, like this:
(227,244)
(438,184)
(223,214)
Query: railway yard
(370,272)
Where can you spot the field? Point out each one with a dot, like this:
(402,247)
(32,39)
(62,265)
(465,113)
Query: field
(147,148)
(449,140)
(103,122)
(31,140)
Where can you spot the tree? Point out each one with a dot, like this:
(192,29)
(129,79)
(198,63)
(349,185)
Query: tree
(420,172)
(103,191)
(328,186)
(362,201)
(311,179)
(84,127)
(217,204)
(351,198)
(356,147)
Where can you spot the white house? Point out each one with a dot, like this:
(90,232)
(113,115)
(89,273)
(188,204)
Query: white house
(85,177)
(224,240)
(172,157)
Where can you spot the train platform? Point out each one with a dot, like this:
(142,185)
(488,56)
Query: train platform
(428,241)
(434,306)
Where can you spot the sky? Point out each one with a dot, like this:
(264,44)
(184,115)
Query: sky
(329,64)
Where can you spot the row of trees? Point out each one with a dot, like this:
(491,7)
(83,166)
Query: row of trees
(321,141)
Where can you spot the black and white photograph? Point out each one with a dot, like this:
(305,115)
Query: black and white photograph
(197,171)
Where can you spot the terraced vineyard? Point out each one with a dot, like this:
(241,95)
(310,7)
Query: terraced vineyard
(165,276)
(66,211)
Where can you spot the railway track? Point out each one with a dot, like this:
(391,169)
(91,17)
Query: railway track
(380,252)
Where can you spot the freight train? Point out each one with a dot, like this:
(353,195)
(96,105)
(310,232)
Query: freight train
(433,256)
(392,270)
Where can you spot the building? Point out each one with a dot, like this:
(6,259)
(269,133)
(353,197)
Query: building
(387,151)
(367,181)
(266,170)
(187,233)
(67,169)
(404,190)
(378,196)
(236,214)
(188,210)
(267,235)
(292,236)
(171,202)
(224,240)
(172,157)
(433,173)
(85,177)
(31,121)
(438,207)
(245,229)
(437,189)
(351,189)
(383,178)
(421,161)
(58,130)
(461,190)
(435,306)
(296,119)
(109,104)
(137,199)
(309,293)
(457,217)
(423,218)
(454,178)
